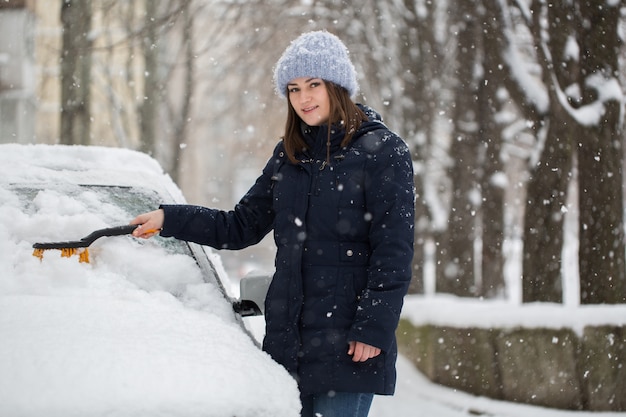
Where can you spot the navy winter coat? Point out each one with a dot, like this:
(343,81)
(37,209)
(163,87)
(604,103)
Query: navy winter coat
(344,234)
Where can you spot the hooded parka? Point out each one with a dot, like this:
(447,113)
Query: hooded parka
(344,235)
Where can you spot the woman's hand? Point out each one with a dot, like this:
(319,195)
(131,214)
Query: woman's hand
(361,352)
(149,223)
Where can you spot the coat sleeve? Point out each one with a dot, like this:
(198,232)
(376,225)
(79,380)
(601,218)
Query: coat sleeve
(390,200)
(245,225)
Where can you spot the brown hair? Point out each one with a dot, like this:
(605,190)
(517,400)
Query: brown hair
(342,109)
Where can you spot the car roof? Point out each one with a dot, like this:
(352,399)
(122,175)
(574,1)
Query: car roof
(88,165)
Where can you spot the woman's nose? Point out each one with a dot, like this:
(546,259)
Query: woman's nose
(304,96)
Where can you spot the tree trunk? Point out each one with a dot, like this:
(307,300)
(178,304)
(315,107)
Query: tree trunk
(148,108)
(543,218)
(181,118)
(419,117)
(601,250)
(455,274)
(492,178)
(76,72)
(550,177)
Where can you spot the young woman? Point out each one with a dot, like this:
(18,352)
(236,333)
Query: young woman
(338,194)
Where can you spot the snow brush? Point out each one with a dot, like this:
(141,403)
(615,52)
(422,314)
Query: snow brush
(69,249)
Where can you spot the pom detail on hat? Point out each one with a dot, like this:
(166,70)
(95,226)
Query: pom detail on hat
(318,54)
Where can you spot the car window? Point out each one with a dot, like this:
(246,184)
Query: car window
(115,205)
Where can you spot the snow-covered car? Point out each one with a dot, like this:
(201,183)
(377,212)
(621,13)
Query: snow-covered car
(144,328)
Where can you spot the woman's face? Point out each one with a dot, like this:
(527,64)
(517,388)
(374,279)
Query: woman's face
(309,98)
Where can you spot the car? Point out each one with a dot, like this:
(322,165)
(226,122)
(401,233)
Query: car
(145,327)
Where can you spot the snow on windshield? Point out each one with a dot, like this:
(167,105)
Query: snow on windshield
(137,331)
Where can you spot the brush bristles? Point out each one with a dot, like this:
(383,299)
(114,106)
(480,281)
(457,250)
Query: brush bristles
(67,252)
(83,256)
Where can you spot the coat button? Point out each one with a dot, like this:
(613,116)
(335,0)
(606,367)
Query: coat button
(349,252)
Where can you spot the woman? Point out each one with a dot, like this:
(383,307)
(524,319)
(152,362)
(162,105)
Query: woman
(338,194)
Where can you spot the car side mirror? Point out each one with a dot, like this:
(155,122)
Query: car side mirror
(252,290)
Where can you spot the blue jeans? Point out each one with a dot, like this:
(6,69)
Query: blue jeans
(337,404)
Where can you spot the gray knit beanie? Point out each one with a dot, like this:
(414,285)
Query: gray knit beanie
(317,54)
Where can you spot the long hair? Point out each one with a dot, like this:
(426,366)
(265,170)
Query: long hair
(342,110)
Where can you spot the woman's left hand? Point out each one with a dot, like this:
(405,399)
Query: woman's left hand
(361,352)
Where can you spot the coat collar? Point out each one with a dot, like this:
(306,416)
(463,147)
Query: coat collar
(316,137)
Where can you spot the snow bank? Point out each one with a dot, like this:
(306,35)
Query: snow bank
(447,310)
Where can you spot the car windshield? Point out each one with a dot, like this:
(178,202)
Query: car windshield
(68,212)
(114,205)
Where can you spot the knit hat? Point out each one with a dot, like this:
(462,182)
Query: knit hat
(317,54)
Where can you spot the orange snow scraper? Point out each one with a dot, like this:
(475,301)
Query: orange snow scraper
(79,247)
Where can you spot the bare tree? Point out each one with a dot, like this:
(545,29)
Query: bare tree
(552,172)
(456,261)
(163,92)
(76,72)
(577,82)
(152,85)
(491,176)
(535,96)
(181,117)
(601,230)
(421,60)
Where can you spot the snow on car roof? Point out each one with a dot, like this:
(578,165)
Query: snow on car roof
(135,332)
(82,164)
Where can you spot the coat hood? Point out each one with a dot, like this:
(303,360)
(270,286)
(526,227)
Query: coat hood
(375,120)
